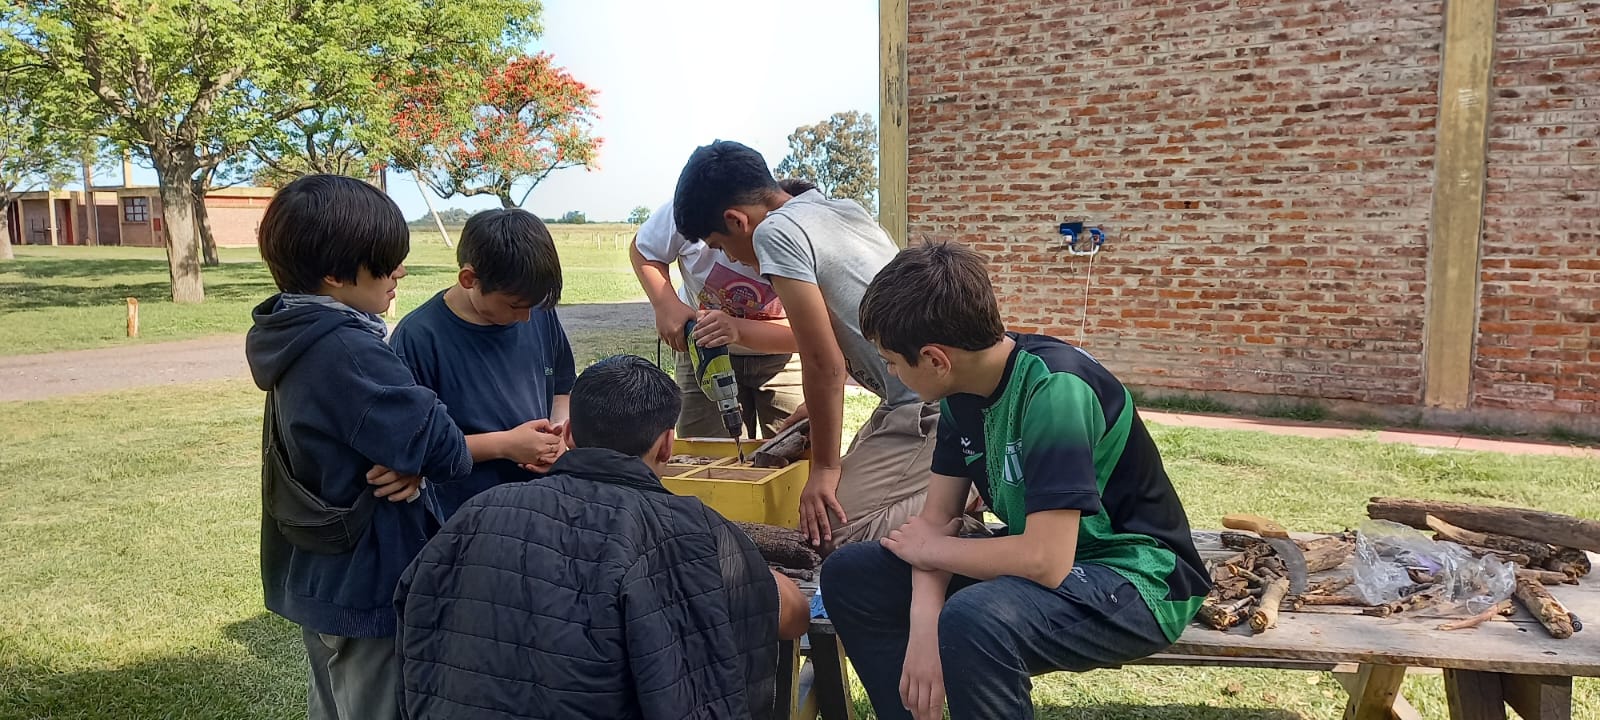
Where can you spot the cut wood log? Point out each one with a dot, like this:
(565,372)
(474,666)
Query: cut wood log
(1571,561)
(1333,600)
(1418,599)
(1538,601)
(1547,577)
(1266,613)
(1503,556)
(782,546)
(1537,525)
(1479,619)
(1241,541)
(784,448)
(1536,552)
(1330,586)
(1327,554)
(1222,616)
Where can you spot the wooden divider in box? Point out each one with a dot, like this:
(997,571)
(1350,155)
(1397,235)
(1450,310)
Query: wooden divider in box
(739,492)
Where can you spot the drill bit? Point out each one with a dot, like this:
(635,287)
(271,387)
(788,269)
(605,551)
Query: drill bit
(740,446)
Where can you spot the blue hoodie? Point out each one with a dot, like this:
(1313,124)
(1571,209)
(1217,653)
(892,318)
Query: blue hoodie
(345,403)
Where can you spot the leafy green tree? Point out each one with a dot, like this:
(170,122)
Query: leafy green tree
(639,215)
(574,217)
(190,84)
(31,157)
(839,154)
(486,130)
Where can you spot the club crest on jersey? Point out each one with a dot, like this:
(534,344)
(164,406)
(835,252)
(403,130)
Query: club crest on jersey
(1011,464)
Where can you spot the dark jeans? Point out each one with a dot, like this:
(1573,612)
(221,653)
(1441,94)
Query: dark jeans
(993,635)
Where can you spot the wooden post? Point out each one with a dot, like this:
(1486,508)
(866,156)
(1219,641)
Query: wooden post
(1538,698)
(133,317)
(50,217)
(893,147)
(91,219)
(1474,695)
(1374,692)
(1460,160)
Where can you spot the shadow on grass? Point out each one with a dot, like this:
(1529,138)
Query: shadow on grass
(1045,709)
(1124,711)
(195,684)
(35,296)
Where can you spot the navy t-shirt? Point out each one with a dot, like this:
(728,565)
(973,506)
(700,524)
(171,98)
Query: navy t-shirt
(490,377)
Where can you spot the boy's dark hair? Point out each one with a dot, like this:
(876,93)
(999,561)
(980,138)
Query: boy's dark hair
(932,294)
(717,177)
(796,186)
(512,252)
(623,403)
(330,225)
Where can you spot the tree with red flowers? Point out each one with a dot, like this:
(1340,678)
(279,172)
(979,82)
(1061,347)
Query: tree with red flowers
(492,131)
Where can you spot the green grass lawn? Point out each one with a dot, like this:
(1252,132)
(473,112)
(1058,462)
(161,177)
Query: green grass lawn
(68,298)
(129,585)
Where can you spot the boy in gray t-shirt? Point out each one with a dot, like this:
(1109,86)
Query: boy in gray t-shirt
(820,254)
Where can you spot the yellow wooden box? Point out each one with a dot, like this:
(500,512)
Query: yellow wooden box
(746,494)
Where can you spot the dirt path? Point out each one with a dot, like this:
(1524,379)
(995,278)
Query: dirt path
(48,375)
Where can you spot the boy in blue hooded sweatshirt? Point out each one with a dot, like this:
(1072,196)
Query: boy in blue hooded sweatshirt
(349,420)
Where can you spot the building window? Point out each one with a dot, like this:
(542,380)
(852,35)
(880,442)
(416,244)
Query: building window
(136,209)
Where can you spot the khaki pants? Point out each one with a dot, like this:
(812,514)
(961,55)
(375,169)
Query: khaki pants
(769,392)
(883,479)
(352,678)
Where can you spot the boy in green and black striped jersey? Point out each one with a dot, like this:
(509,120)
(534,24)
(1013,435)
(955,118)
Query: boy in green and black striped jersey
(1097,567)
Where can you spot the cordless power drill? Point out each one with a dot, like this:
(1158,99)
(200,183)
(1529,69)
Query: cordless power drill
(713,370)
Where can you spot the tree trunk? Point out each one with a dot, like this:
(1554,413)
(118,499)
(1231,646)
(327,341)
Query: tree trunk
(5,229)
(505,198)
(202,226)
(183,249)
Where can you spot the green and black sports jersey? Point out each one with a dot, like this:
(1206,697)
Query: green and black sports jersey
(1061,433)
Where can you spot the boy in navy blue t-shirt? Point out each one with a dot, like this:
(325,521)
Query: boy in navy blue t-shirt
(492,348)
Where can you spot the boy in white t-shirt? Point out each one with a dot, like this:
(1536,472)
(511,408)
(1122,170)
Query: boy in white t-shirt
(731,304)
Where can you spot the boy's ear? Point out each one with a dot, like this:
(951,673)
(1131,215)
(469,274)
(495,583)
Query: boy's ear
(331,281)
(736,220)
(664,445)
(467,277)
(566,435)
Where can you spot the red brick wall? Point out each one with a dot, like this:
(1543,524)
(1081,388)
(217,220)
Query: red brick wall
(234,223)
(1265,173)
(1539,331)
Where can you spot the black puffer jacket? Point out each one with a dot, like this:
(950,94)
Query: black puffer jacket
(590,593)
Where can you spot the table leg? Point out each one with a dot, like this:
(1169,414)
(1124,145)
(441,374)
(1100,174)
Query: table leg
(1373,693)
(1402,709)
(788,676)
(1538,697)
(832,683)
(1474,695)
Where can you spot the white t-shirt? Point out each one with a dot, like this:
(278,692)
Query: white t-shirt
(711,281)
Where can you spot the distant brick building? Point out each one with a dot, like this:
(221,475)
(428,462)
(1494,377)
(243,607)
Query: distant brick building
(1292,210)
(128,216)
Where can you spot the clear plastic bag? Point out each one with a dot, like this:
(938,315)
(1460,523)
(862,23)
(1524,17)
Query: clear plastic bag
(1385,552)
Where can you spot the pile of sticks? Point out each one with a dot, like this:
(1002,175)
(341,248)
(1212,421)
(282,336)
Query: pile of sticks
(1253,584)
(1547,548)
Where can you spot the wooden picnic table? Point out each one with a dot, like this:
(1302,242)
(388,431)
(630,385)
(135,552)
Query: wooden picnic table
(1510,661)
